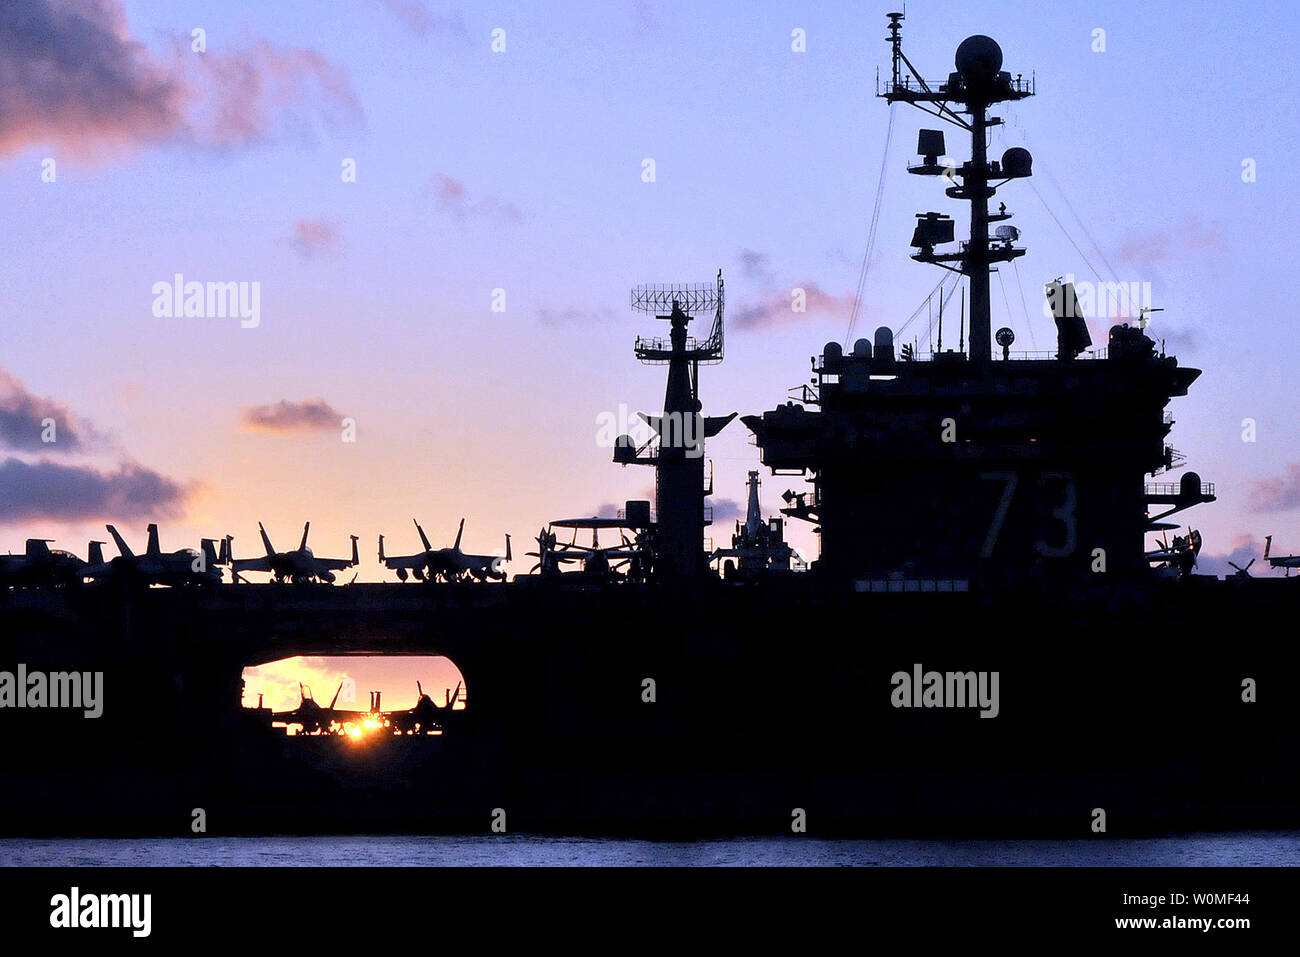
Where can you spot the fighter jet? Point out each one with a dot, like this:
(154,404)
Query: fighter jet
(184,566)
(421,565)
(297,566)
(425,716)
(312,717)
(1279,561)
(449,564)
(42,565)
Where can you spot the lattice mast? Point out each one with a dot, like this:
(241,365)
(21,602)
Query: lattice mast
(978,83)
(678,452)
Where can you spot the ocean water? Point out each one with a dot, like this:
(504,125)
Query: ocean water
(1277,848)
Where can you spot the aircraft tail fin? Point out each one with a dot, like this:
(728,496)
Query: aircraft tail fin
(423,537)
(152,548)
(305,529)
(266,540)
(451,703)
(123,549)
(381,549)
(1268,545)
(335,699)
(209,548)
(226,557)
(356,559)
(508,558)
(95,553)
(459,532)
(38,547)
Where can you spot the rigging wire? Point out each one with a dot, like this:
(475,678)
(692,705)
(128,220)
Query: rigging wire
(871,231)
(1023,307)
(948,277)
(1068,205)
(1066,232)
(1005,300)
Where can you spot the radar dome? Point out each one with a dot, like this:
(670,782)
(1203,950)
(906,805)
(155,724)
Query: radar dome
(979,57)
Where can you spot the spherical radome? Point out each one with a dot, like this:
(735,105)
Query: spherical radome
(979,56)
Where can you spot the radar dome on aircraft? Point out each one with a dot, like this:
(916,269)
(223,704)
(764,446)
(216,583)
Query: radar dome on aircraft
(978,58)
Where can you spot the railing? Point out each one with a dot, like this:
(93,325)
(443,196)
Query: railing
(909,85)
(1176,488)
(1020,356)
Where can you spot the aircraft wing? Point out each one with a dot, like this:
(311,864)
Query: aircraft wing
(405,561)
(347,717)
(262,564)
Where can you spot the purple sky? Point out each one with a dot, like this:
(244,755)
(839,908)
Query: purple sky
(522,171)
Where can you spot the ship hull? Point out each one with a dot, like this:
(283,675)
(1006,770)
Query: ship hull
(677,712)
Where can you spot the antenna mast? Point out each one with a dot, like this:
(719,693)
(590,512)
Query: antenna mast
(978,82)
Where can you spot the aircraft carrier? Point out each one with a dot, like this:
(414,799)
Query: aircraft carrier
(984,645)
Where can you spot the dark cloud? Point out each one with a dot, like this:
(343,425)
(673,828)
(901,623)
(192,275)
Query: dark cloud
(72,76)
(727,510)
(1276,494)
(69,73)
(452,196)
(63,493)
(777,307)
(22,415)
(754,265)
(286,416)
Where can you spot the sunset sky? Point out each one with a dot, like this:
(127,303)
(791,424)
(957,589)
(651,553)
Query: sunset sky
(522,170)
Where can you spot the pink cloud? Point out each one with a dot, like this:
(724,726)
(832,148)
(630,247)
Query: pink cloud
(777,307)
(311,236)
(1192,235)
(1276,494)
(452,196)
